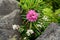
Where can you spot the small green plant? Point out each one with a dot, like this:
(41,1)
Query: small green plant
(36,16)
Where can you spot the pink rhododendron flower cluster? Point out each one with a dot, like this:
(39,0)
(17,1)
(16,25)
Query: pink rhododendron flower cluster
(32,15)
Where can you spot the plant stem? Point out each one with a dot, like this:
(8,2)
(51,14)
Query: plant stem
(36,27)
(30,25)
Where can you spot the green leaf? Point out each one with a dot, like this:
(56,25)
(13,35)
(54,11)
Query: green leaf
(21,30)
(48,12)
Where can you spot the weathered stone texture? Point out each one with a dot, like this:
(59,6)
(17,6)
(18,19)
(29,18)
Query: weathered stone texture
(9,15)
(7,6)
(51,33)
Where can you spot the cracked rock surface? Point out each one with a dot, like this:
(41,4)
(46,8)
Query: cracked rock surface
(51,33)
(9,15)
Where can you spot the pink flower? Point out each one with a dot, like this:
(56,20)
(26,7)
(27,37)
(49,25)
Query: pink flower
(31,16)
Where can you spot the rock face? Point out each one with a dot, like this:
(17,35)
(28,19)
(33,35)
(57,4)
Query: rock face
(7,6)
(51,33)
(9,15)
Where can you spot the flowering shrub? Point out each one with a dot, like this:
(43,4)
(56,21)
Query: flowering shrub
(36,16)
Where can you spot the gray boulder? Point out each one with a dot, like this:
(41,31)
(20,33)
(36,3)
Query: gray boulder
(7,6)
(51,33)
(9,15)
